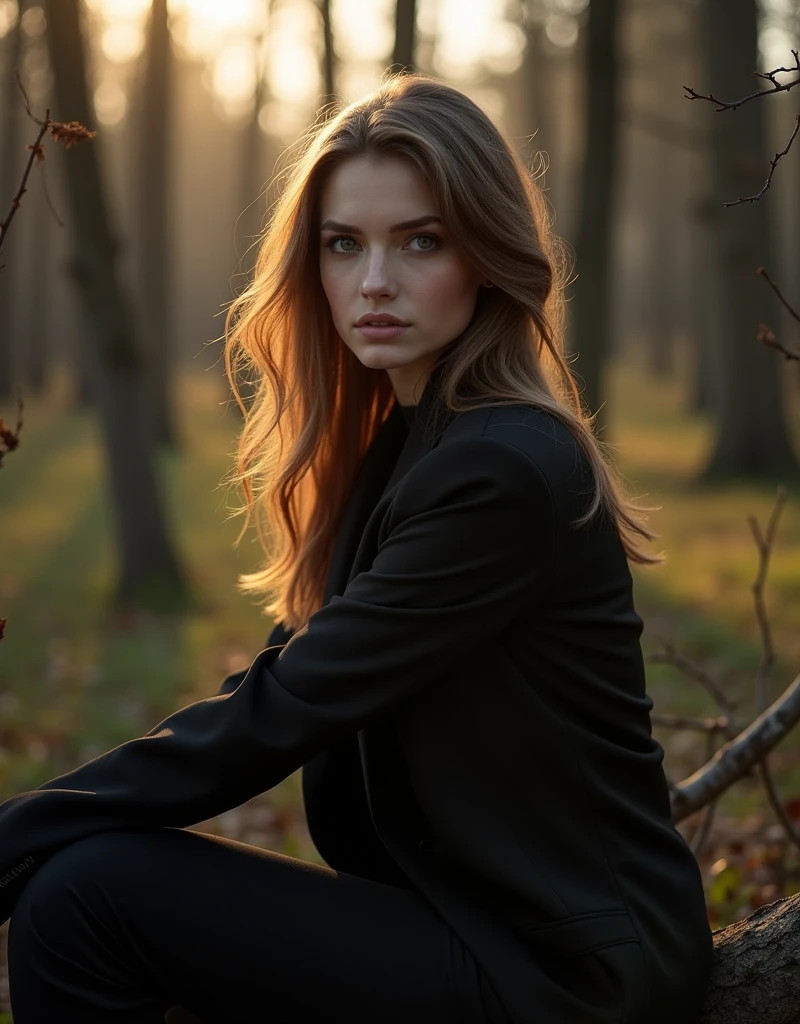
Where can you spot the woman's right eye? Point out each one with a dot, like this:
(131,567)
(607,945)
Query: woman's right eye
(339,238)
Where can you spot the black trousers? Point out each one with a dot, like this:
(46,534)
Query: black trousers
(122,926)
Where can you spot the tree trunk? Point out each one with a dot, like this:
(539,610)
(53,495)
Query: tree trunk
(328,52)
(12,163)
(404,35)
(154,250)
(746,399)
(149,565)
(590,327)
(755,979)
(661,321)
(537,100)
(252,201)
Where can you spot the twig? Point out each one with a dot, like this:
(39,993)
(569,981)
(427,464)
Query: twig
(767,338)
(704,830)
(69,133)
(9,439)
(763,272)
(735,104)
(773,164)
(669,656)
(764,543)
(777,87)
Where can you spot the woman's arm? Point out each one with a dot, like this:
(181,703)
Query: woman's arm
(278,635)
(469,546)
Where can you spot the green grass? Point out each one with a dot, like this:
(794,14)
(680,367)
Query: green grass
(71,680)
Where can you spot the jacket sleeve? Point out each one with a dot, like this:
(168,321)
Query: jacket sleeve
(278,635)
(467,545)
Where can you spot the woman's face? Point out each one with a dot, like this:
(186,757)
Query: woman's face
(383,249)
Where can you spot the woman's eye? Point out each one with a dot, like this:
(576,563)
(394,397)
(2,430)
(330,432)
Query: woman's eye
(428,239)
(331,243)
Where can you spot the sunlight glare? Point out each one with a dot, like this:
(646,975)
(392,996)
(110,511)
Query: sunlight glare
(110,102)
(775,49)
(34,22)
(223,15)
(293,69)
(127,10)
(122,41)
(474,37)
(561,30)
(233,78)
(8,16)
(374,39)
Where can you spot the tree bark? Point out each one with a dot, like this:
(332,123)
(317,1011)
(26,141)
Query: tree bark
(328,52)
(12,162)
(590,329)
(404,35)
(154,249)
(755,979)
(746,398)
(538,100)
(149,569)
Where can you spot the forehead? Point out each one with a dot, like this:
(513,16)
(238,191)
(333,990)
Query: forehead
(380,188)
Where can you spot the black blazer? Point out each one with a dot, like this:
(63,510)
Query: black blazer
(469,707)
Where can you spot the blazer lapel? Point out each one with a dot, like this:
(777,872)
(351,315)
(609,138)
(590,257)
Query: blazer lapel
(366,492)
(393,452)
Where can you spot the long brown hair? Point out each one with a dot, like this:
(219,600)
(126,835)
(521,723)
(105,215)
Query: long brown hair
(316,408)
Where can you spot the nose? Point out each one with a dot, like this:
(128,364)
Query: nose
(378,280)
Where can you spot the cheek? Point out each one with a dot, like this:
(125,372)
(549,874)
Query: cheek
(449,288)
(334,287)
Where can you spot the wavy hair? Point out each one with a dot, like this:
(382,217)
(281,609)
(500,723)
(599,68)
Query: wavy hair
(315,408)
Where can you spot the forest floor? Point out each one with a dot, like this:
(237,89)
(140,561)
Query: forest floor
(75,681)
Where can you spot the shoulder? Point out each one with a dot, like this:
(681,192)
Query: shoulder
(528,447)
(542,438)
(498,455)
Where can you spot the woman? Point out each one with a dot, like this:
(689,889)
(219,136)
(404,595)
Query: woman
(456,662)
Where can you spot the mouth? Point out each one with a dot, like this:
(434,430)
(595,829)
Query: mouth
(380,320)
(379,329)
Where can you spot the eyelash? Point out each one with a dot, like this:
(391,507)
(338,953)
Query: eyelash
(420,252)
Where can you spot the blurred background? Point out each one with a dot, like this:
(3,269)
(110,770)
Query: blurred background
(118,571)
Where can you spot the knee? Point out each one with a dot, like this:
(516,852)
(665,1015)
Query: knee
(63,884)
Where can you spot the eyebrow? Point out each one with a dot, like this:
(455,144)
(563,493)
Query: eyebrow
(418,222)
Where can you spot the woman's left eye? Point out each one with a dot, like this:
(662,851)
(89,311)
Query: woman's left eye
(434,238)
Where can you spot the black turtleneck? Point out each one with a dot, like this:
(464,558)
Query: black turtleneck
(409,413)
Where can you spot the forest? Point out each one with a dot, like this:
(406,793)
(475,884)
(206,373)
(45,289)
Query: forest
(142,145)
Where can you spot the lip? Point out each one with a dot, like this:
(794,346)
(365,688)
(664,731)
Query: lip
(384,331)
(380,318)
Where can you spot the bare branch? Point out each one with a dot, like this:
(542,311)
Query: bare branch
(767,338)
(736,757)
(9,439)
(764,543)
(773,164)
(69,134)
(769,75)
(704,831)
(669,656)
